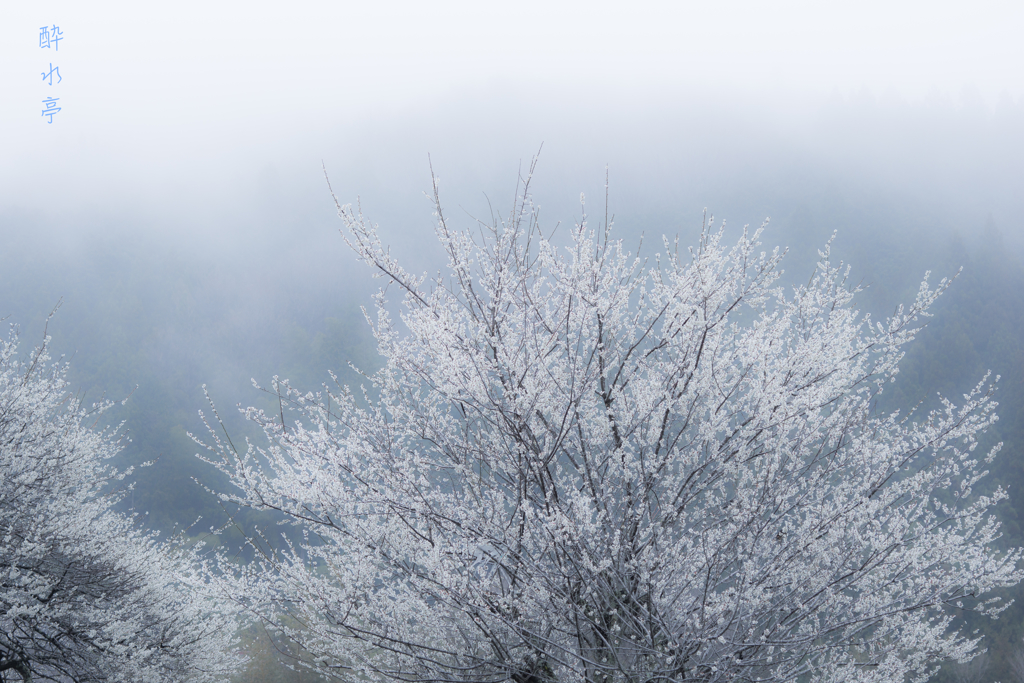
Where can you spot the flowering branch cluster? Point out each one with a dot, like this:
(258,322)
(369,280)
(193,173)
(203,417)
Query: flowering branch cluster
(576,466)
(85,595)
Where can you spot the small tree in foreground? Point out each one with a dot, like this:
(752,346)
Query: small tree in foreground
(84,595)
(576,465)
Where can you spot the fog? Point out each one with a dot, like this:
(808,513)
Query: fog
(185,116)
(177,203)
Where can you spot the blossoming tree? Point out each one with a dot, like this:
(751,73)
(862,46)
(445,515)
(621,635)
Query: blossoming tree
(84,594)
(579,466)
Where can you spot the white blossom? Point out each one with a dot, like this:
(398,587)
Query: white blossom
(84,594)
(568,446)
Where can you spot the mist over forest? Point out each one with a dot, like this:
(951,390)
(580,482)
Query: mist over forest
(212,257)
(155,302)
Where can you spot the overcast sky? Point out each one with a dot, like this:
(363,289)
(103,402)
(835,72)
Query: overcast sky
(178,206)
(173,108)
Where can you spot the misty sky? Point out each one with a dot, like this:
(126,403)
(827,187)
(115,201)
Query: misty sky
(188,107)
(197,130)
(178,207)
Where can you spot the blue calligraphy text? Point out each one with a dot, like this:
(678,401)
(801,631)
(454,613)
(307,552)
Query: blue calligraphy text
(53,70)
(51,107)
(50,35)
